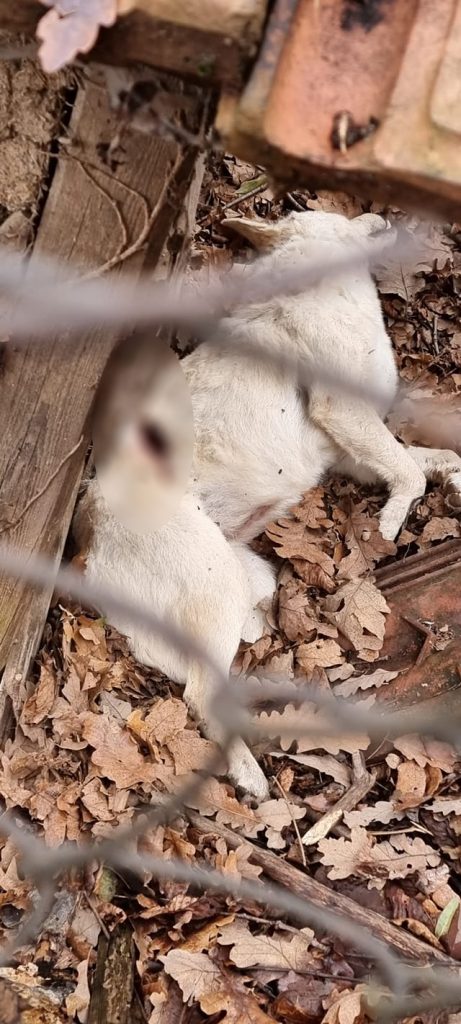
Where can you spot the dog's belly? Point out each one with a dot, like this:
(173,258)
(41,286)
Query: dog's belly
(244,485)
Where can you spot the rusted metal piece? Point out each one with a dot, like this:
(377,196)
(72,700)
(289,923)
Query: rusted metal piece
(362,96)
(423,632)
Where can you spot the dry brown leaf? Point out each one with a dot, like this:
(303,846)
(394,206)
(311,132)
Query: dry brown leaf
(272,815)
(214,798)
(446,805)
(78,1001)
(396,857)
(366,545)
(382,812)
(278,814)
(410,789)
(166,719)
(311,510)
(323,653)
(204,937)
(439,528)
(342,672)
(350,1007)
(41,701)
(190,752)
(277,951)
(358,609)
(404,856)
(287,723)
(301,999)
(375,679)
(407,279)
(325,764)
(166,1000)
(297,613)
(115,753)
(314,576)
(238,862)
(214,988)
(293,540)
(426,751)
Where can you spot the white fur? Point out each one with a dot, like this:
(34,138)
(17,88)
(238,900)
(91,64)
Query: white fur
(258,448)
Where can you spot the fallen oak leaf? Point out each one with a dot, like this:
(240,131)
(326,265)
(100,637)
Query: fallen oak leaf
(40,703)
(277,951)
(311,510)
(427,751)
(383,812)
(396,857)
(439,528)
(286,726)
(358,609)
(190,752)
(323,653)
(314,576)
(214,988)
(375,679)
(115,752)
(214,798)
(273,815)
(297,614)
(293,540)
(203,938)
(301,1000)
(366,545)
(410,790)
(279,814)
(166,719)
(351,1006)
(78,1001)
(446,805)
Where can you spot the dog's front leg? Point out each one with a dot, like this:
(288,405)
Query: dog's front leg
(358,430)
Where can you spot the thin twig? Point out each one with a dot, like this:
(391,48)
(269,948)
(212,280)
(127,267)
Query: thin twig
(293,819)
(143,236)
(108,198)
(347,802)
(247,195)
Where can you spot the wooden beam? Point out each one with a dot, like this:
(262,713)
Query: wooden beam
(46,391)
(112,989)
(209,42)
(307,888)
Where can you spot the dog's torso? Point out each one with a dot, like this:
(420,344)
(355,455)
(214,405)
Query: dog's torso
(256,449)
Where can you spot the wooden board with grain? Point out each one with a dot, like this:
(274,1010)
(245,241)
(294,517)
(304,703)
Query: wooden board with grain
(210,42)
(47,390)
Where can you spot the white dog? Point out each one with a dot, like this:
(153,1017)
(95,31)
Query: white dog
(258,446)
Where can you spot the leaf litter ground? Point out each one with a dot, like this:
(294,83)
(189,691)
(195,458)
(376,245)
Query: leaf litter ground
(98,734)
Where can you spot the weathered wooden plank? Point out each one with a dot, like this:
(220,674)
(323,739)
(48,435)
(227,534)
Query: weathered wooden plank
(209,41)
(112,988)
(46,391)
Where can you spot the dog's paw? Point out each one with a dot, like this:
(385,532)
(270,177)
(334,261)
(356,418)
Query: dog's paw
(393,517)
(244,771)
(452,489)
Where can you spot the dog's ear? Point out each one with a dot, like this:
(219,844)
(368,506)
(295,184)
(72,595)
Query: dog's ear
(263,234)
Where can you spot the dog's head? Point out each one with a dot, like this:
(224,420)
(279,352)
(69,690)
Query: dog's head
(301,232)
